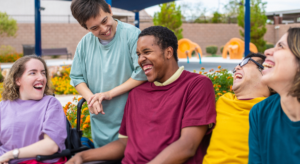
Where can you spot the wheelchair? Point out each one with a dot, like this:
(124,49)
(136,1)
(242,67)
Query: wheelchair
(73,141)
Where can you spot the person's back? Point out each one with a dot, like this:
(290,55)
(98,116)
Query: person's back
(229,141)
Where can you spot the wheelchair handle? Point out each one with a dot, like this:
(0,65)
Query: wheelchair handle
(63,153)
(79,106)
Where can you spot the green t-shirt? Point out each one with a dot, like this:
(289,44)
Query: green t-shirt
(104,67)
(273,137)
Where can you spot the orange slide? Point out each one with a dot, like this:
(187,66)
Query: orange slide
(236,47)
(186,48)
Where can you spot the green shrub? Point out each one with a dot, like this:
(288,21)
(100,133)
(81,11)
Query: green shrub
(211,50)
(221,49)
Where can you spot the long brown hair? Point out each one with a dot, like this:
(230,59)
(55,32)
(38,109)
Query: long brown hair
(11,89)
(293,41)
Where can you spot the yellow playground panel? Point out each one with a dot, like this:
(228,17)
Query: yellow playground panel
(236,47)
(186,48)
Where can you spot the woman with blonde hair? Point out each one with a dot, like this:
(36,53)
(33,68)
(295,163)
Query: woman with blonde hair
(274,136)
(31,121)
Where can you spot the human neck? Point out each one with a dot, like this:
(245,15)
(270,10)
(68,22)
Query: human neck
(290,106)
(170,72)
(251,93)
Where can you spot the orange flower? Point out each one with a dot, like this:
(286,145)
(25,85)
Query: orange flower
(224,91)
(69,103)
(87,119)
(205,72)
(216,96)
(84,109)
(219,86)
(219,67)
(79,98)
(200,72)
(215,77)
(220,94)
(230,87)
(85,126)
(217,89)
(223,69)
(218,71)
(215,85)
(81,116)
(228,77)
(202,68)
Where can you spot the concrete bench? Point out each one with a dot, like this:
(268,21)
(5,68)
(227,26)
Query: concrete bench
(56,51)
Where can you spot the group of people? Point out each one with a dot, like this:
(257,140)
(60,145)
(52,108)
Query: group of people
(144,108)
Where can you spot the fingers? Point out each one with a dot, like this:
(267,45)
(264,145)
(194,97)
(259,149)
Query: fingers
(91,101)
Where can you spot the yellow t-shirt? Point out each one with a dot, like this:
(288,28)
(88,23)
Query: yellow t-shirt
(229,140)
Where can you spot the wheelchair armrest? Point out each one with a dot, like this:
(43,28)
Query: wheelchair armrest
(63,153)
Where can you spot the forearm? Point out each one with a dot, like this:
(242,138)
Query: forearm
(176,153)
(84,91)
(112,151)
(125,87)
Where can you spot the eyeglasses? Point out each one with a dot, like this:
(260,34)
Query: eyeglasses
(245,61)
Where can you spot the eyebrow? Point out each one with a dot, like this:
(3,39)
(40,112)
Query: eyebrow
(100,23)
(36,70)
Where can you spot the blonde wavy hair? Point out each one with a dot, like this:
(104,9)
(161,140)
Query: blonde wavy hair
(293,41)
(11,89)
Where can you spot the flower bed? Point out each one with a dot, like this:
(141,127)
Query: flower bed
(1,89)
(70,110)
(61,82)
(222,80)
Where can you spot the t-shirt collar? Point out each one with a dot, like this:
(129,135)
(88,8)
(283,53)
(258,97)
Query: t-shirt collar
(174,77)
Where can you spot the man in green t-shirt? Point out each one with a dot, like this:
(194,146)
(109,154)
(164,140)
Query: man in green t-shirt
(105,66)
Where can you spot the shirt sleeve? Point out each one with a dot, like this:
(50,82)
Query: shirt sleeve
(200,105)
(0,122)
(54,124)
(138,73)
(254,150)
(76,73)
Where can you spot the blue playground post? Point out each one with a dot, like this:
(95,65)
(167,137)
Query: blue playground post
(108,2)
(137,19)
(38,34)
(187,57)
(200,62)
(247,27)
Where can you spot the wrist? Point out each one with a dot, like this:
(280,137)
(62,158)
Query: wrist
(110,94)
(10,155)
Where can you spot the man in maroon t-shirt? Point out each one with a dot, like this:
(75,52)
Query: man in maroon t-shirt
(167,119)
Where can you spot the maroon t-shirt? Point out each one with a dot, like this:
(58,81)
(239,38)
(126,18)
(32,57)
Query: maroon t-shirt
(154,116)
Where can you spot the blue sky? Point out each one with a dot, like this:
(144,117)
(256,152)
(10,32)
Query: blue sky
(212,5)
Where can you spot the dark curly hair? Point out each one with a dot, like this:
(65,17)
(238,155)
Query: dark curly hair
(293,40)
(83,10)
(165,38)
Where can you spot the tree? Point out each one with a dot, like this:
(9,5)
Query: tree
(258,20)
(217,18)
(170,17)
(8,25)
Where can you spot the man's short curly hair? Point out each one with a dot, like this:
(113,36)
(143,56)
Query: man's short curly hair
(165,38)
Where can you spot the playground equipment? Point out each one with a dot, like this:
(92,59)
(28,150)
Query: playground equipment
(236,47)
(186,48)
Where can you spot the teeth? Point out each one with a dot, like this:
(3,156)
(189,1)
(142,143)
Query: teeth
(38,86)
(238,76)
(267,65)
(106,32)
(147,67)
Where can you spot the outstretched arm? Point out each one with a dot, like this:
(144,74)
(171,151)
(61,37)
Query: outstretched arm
(45,146)
(112,151)
(184,148)
(123,88)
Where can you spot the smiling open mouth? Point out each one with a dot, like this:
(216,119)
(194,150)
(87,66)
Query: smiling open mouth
(147,68)
(38,86)
(268,65)
(238,76)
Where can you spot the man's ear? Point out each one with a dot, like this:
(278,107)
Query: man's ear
(169,52)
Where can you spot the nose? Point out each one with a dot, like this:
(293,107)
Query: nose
(141,59)
(102,28)
(41,76)
(269,52)
(238,67)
